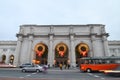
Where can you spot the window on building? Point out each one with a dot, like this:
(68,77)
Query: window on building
(4,49)
(112,50)
(12,49)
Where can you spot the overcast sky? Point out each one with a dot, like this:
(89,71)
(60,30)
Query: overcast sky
(14,13)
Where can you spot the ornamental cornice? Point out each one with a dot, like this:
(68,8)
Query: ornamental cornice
(50,34)
(93,34)
(71,34)
(17,35)
(30,34)
(20,36)
(105,34)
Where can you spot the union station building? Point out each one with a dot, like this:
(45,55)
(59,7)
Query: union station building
(55,44)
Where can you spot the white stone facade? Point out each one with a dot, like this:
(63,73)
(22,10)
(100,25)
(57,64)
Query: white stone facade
(7,49)
(93,35)
(114,48)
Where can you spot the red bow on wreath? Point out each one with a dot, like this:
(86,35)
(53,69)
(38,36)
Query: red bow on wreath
(84,53)
(39,53)
(61,53)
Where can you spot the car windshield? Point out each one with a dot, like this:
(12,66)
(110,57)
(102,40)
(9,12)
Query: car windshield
(27,64)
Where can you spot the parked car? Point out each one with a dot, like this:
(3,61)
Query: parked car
(34,68)
(26,65)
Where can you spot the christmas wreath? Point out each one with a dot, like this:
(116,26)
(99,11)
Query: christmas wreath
(40,49)
(83,49)
(61,48)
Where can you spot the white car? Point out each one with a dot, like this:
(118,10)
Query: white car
(35,68)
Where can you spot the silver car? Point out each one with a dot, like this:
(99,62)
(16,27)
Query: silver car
(26,65)
(35,68)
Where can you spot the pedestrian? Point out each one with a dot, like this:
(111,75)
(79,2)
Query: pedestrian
(45,69)
(60,66)
(65,66)
(68,66)
(48,65)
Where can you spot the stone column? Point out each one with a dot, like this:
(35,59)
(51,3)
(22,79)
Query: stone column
(93,41)
(72,51)
(93,44)
(105,44)
(30,41)
(50,49)
(117,52)
(18,50)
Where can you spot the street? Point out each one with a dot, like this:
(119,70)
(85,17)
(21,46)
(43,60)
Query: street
(52,74)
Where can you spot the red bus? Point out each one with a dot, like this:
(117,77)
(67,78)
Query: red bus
(90,64)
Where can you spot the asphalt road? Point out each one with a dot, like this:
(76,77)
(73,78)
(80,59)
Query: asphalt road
(52,74)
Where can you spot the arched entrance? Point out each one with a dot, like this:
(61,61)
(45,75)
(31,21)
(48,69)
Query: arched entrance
(81,50)
(11,59)
(61,54)
(3,58)
(41,54)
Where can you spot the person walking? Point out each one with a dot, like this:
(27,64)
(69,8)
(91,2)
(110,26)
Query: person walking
(60,66)
(65,66)
(45,69)
(68,66)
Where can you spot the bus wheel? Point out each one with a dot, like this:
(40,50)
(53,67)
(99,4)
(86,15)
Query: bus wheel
(88,70)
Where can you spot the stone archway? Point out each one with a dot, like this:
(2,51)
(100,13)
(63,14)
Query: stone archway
(11,59)
(61,54)
(41,54)
(81,50)
(3,58)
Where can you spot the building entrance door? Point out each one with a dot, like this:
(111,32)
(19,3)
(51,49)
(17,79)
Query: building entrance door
(41,53)
(63,61)
(61,54)
(81,50)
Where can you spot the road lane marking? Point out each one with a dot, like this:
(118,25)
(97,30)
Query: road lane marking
(28,75)
(102,78)
(90,74)
(96,76)
(93,75)
(21,77)
(34,73)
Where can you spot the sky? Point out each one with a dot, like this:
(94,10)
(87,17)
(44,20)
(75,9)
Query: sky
(14,13)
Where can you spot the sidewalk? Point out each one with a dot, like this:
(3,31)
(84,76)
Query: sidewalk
(50,69)
(64,68)
(58,69)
